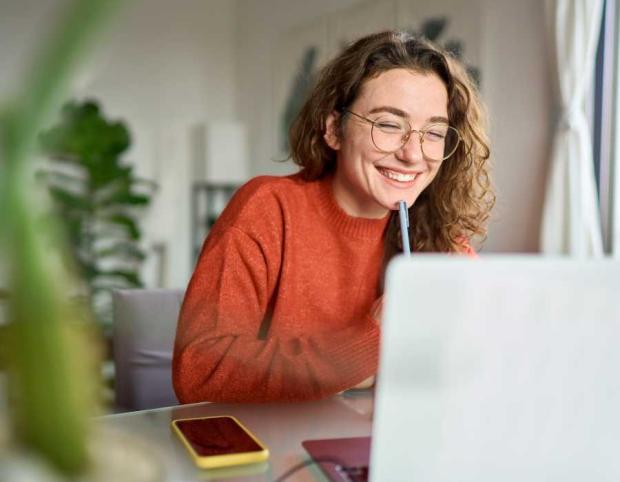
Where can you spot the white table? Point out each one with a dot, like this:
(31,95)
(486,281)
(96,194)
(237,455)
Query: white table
(282,427)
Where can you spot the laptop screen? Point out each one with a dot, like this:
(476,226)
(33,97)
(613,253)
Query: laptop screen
(503,368)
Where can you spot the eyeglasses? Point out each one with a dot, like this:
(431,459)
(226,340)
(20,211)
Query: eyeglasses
(390,133)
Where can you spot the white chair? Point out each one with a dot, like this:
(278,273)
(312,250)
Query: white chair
(143,338)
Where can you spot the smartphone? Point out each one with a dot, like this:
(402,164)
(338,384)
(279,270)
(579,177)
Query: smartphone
(221,441)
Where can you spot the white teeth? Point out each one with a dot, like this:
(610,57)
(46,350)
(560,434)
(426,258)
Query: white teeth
(397,176)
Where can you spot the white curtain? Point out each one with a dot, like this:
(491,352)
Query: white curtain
(571,220)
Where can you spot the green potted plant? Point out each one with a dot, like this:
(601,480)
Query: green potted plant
(99,198)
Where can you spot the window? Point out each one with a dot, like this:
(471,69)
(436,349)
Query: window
(605,125)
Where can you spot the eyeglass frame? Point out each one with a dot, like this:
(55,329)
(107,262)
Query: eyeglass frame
(420,132)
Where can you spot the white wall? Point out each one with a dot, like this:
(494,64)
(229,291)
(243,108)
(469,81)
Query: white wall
(516,87)
(22,25)
(261,24)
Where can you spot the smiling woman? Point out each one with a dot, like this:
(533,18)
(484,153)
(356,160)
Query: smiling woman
(285,301)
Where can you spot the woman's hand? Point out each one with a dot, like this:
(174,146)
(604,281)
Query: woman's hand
(369,382)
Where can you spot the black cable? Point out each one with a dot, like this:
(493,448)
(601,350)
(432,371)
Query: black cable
(305,463)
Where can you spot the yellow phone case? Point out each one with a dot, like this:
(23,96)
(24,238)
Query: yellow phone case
(228,460)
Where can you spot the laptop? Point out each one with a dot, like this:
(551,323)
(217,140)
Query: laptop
(505,368)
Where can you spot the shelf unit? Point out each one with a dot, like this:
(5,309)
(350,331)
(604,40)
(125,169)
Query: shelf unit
(208,200)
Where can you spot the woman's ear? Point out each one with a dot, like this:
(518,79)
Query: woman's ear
(332,134)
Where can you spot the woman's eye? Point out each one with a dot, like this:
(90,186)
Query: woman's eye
(435,136)
(388,126)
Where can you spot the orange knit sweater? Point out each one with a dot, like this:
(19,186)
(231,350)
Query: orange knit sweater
(278,306)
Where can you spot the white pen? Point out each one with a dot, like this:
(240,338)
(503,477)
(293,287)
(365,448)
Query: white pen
(404,226)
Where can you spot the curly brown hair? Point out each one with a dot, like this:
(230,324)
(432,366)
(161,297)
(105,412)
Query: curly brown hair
(456,205)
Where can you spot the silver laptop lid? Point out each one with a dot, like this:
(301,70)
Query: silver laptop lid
(499,369)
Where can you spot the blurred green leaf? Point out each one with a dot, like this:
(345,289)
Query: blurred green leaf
(125,199)
(126,222)
(51,386)
(85,136)
(69,201)
(61,178)
(122,250)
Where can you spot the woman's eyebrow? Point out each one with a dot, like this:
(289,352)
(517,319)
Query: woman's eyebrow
(439,119)
(391,110)
(402,113)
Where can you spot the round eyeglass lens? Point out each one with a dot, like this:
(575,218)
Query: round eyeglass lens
(439,141)
(389,133)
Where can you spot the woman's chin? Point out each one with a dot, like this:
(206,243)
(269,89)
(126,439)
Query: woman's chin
(393,203)
(389,199)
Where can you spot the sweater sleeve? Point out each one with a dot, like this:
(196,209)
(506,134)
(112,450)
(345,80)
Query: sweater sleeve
(219,355)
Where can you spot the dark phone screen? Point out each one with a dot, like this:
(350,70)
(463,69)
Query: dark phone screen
(217,436)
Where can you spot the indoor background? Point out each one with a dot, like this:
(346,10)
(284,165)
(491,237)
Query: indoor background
(200,85)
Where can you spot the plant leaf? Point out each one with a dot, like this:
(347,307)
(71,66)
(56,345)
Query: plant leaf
(127,222)
(121,250)
(70,201)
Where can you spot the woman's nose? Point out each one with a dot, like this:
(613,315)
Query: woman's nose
(411,150)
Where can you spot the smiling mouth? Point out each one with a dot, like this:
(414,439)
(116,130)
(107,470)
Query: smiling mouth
(397,176)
